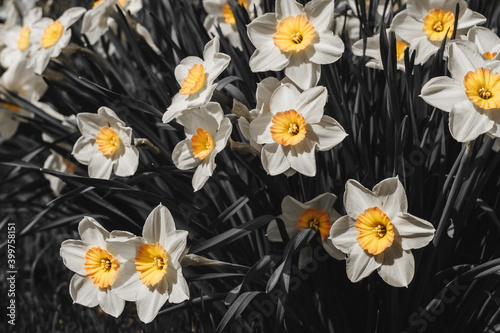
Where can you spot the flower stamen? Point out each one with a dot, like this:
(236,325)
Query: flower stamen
(439,24)
(483,88)
(152,262)
(194,81)
(376,232)
(288,128)
(23,42)
(315,219)
(52,34)
(294,34)
(202,144)
(108,142)
(100,266)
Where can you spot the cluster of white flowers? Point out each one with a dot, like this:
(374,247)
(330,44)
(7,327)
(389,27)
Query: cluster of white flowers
(115,267)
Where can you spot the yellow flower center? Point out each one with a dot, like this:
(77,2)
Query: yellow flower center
(11,107)
(376,232)
(228,13)
(437,23)
(483,88)
(108,142)
(294,34)
(122,2)
(489,55)
(400,50)
(194,80)
(100,266)
(316,219)
(202,144)
(23,42)
(288,128)
(52,34)
(152,262)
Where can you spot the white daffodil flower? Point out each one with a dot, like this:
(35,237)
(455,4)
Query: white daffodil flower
(17,38)
(378,233)
(152,273)
(425,24)
(49,37)
(23,81)
(196,77)
(296,38)
(57,163)
(471,95)
(294,129)
(207,132)
(220,15)
(105,145)
(483,41)
(97,20)
(317,213)
(96,267)
(373,51)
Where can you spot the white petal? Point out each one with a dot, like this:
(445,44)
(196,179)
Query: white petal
(343,233)
(158,224)
(92,232)
(357,199)
(372,47)
(327,133)
(268,58)
(424,48)
(332,250)
(175,244)
(467,122)
(291,209)
(442,92)
(183,156)
(260,128)
(393,196)
(149,306)
(302,157)
(127,284)
(73,254)
(462,60)
(407,27)
(265,89)
(83,291)
(182,69)
(217,66)
(284,98)
(327,48)
(414,231)
(485,39)
(123,247)
(286,8)
(311,104)
(84,148)
(90,124)
(127,163)
(178,291)
(211,48)
(100,166)
(71,15)
(203,172)
(261,29)
(359,264)
(222,135)
(274,159)
(320,14)
(110,302)
(398,266)
(469,19)
(302,72)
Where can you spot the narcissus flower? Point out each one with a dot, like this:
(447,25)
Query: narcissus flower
(378,233)
(425,24)
(49,37)
(220,15)
(96,267)
(96,21)
(105,145)
(294,129)
(17,38)
(21,80)
(196,77)
(152,273)
(471,95)
(373,51)
(483,41)
(317,213)
(207,132)
(296,38)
